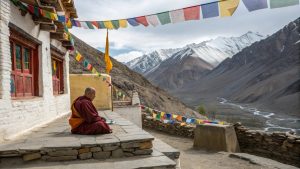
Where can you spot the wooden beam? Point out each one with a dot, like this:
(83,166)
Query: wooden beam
(41,20)
(66,44)
(49,1)
(48,27)
(57,36)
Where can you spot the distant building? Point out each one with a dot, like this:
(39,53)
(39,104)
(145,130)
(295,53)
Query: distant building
(34,66)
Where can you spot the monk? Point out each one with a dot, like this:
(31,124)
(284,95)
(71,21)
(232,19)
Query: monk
(85,119)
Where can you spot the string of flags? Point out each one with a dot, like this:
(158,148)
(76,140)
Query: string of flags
(221,8)
(173,118)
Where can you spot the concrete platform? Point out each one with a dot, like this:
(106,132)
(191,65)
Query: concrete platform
(54,142)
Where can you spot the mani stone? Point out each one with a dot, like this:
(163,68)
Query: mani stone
(96,149)
(126,154)
(146,145)
(101,155)
(63,153)
(83,150)
(33,156)
(117,153)
(85,156)
(130,145)
(143,152)
(216,138)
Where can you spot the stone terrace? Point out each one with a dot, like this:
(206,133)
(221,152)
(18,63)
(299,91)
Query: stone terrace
(54,142)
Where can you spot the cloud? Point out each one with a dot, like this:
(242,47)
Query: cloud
(265,21)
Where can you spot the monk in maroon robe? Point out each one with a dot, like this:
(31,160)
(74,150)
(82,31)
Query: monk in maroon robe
(85,118)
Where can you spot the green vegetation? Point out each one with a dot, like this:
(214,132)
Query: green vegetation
(201,110)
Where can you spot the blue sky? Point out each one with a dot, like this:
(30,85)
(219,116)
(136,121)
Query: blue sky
(134,41)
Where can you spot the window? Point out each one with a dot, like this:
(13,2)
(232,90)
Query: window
(24,75)
(57,75)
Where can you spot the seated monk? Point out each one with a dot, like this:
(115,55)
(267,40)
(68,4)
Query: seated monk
(85,118)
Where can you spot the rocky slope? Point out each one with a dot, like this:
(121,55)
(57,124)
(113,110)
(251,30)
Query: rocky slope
(265,74)
(128,80)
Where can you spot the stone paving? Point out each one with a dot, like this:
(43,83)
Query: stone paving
(54,142)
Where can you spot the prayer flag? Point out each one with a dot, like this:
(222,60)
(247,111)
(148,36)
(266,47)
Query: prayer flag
(164,18)
(283,3)
(95,24)
(89,25)
(153,20)
(142,20)
(108,25)
(84,25)
(133,22)
(158,116)
(193,120)
(89,66)
(94,71)
(168,116)
(184,119)
(123,23)
(228,7)
(101,25)
(253,5)
(188,120)
(192,13)
(69,23)
(177,16)
(115,24)
(179,118)
(210,10)
(174,116)
(78,57)
(85,63)
(107,60)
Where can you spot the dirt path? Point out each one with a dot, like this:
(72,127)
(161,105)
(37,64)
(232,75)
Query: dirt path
(197,159)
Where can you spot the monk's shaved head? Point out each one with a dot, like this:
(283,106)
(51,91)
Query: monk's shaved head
(90,92)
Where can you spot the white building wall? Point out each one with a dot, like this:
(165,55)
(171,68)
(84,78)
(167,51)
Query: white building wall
(18,116)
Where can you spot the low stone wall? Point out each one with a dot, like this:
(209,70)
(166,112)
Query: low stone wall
(280,146)
(174,129)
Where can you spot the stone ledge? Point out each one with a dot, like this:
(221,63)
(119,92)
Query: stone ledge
(55,143)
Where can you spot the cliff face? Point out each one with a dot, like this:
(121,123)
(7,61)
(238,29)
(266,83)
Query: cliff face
(128,80)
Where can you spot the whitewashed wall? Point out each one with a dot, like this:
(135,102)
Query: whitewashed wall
(18,116)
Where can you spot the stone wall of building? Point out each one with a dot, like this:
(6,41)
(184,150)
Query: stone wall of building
(18,116)
(280,146)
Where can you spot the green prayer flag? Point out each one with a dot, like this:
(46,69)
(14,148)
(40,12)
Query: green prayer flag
(101,25)
(158,116)
(47,14)
(164,18)
(116,24)
(283,3)
(89,24)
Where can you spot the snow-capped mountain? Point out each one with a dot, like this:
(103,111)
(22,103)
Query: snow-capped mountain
(148,61)
(212,51)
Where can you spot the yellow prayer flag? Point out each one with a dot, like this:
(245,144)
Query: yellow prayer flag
(174,116)
(162,114)
(154,115)
(107,60)
(228,7)
(69,23)
(94,71)
(78,56)
(108,25)
(123,23)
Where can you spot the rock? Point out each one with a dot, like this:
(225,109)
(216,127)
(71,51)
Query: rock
(146,145)
(60,158)
(96,149)
(117,153)
(130,145)
(84,150)
(126,154)
(33,156)
(63,153)
(85,156)
(101,155)
(143,152)
(291,139)
(128,149)
(110,148)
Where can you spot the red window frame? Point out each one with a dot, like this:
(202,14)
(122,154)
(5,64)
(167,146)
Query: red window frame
(57,73)
(24,81)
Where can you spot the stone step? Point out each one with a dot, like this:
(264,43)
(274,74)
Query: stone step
(55,142)
(155,161)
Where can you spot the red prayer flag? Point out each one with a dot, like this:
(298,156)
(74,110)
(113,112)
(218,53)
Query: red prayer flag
(192,13)
(142,20)
(95,23)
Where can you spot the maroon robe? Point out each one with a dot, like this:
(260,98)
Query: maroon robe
(92,123)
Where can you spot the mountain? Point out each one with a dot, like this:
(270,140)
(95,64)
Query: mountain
(181,68)
(212,51)
(146,62)
(265,74)
(127,80)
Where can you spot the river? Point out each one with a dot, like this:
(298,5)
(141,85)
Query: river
(257,119)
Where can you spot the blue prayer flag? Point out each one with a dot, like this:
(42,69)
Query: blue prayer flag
(253,5)
(168,116)
(188,120)
(210,10)
(132,22)
(193,120)
(62,18)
